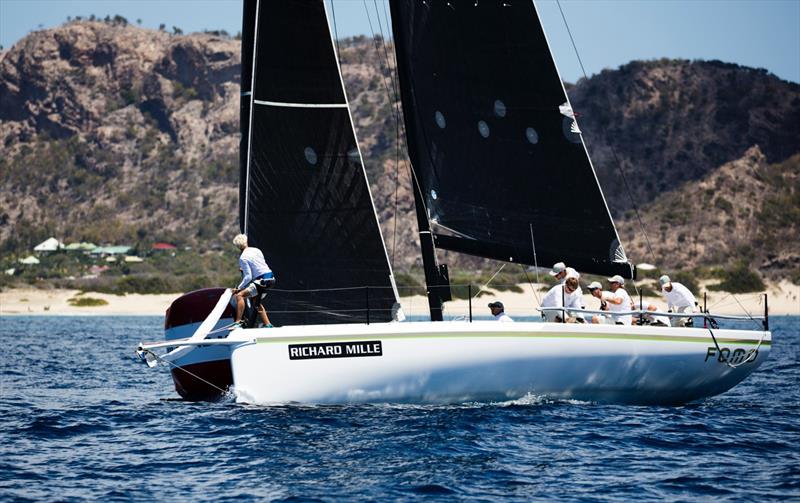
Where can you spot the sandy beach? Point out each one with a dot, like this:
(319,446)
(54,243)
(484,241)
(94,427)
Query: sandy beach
(784,299)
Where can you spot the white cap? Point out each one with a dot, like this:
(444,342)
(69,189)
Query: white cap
(664,280)
(594,285)
(616,279)
(572,273)
(558,268)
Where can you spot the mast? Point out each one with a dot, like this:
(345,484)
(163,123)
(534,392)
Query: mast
(437,281)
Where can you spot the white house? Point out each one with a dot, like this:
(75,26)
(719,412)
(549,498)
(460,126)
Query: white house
(49,245)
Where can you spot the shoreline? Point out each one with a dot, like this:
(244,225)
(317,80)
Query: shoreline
(784,299)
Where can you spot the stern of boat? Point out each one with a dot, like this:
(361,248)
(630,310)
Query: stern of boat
(204,372)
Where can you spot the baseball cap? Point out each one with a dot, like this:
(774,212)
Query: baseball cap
(496,304)
(558,268)
(664,279)
(616,279)
(594,285)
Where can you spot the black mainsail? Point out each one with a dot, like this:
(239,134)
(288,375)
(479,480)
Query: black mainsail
(496,150)
(305,200)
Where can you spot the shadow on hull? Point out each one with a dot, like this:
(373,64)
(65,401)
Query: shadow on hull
(203,382)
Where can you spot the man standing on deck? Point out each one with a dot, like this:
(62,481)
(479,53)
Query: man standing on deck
(679,300)
(255,272)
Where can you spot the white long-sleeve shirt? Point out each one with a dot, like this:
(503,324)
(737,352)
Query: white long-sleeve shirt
(679,297)
(253,265)
(571,300)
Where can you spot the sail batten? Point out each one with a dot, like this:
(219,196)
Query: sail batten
(300,105)
(492,137)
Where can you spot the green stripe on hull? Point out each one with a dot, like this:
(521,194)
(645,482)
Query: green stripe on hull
(632,337)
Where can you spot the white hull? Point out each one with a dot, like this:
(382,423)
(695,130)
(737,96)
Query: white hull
(487,361)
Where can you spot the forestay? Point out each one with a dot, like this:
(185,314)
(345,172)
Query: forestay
(493,140)
(305,199)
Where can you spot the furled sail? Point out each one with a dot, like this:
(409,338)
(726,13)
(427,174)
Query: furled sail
(305,197)
(493,140)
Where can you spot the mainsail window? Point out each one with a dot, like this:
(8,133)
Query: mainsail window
(532,135)
(440,119)
(483,129)
(311,156)
(499,108)
(353,156)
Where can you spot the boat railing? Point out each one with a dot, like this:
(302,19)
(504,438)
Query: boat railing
(374,304)
(653,313)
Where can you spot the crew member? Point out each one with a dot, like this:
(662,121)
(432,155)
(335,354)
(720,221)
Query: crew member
(561,272)
(566,295)
(679,300)
(255,273)
(498,311)
(655,319)
(619,301)
(596,291)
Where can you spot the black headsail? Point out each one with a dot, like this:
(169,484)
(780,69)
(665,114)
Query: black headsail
(492,138)
(305,197)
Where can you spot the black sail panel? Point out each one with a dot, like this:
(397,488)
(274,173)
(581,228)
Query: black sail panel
(249,14)
(308,205)
(493,140)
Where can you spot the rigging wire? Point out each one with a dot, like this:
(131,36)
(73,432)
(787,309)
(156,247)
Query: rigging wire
(396,109)
(401,125)
(393,101)
(535,261)
(613,150)
(336,33)
(176,366)
(535,266)
(533,289)
(490,280)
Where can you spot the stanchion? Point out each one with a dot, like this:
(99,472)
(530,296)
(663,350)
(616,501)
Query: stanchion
(469,295)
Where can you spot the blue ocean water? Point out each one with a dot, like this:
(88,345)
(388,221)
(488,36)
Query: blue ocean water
(81,418)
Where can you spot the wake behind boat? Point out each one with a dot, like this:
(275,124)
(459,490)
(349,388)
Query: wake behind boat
(499,170)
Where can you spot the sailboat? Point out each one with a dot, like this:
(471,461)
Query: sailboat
(500,171)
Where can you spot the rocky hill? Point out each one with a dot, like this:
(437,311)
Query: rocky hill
(745,212)
(669,122)
(112,133)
